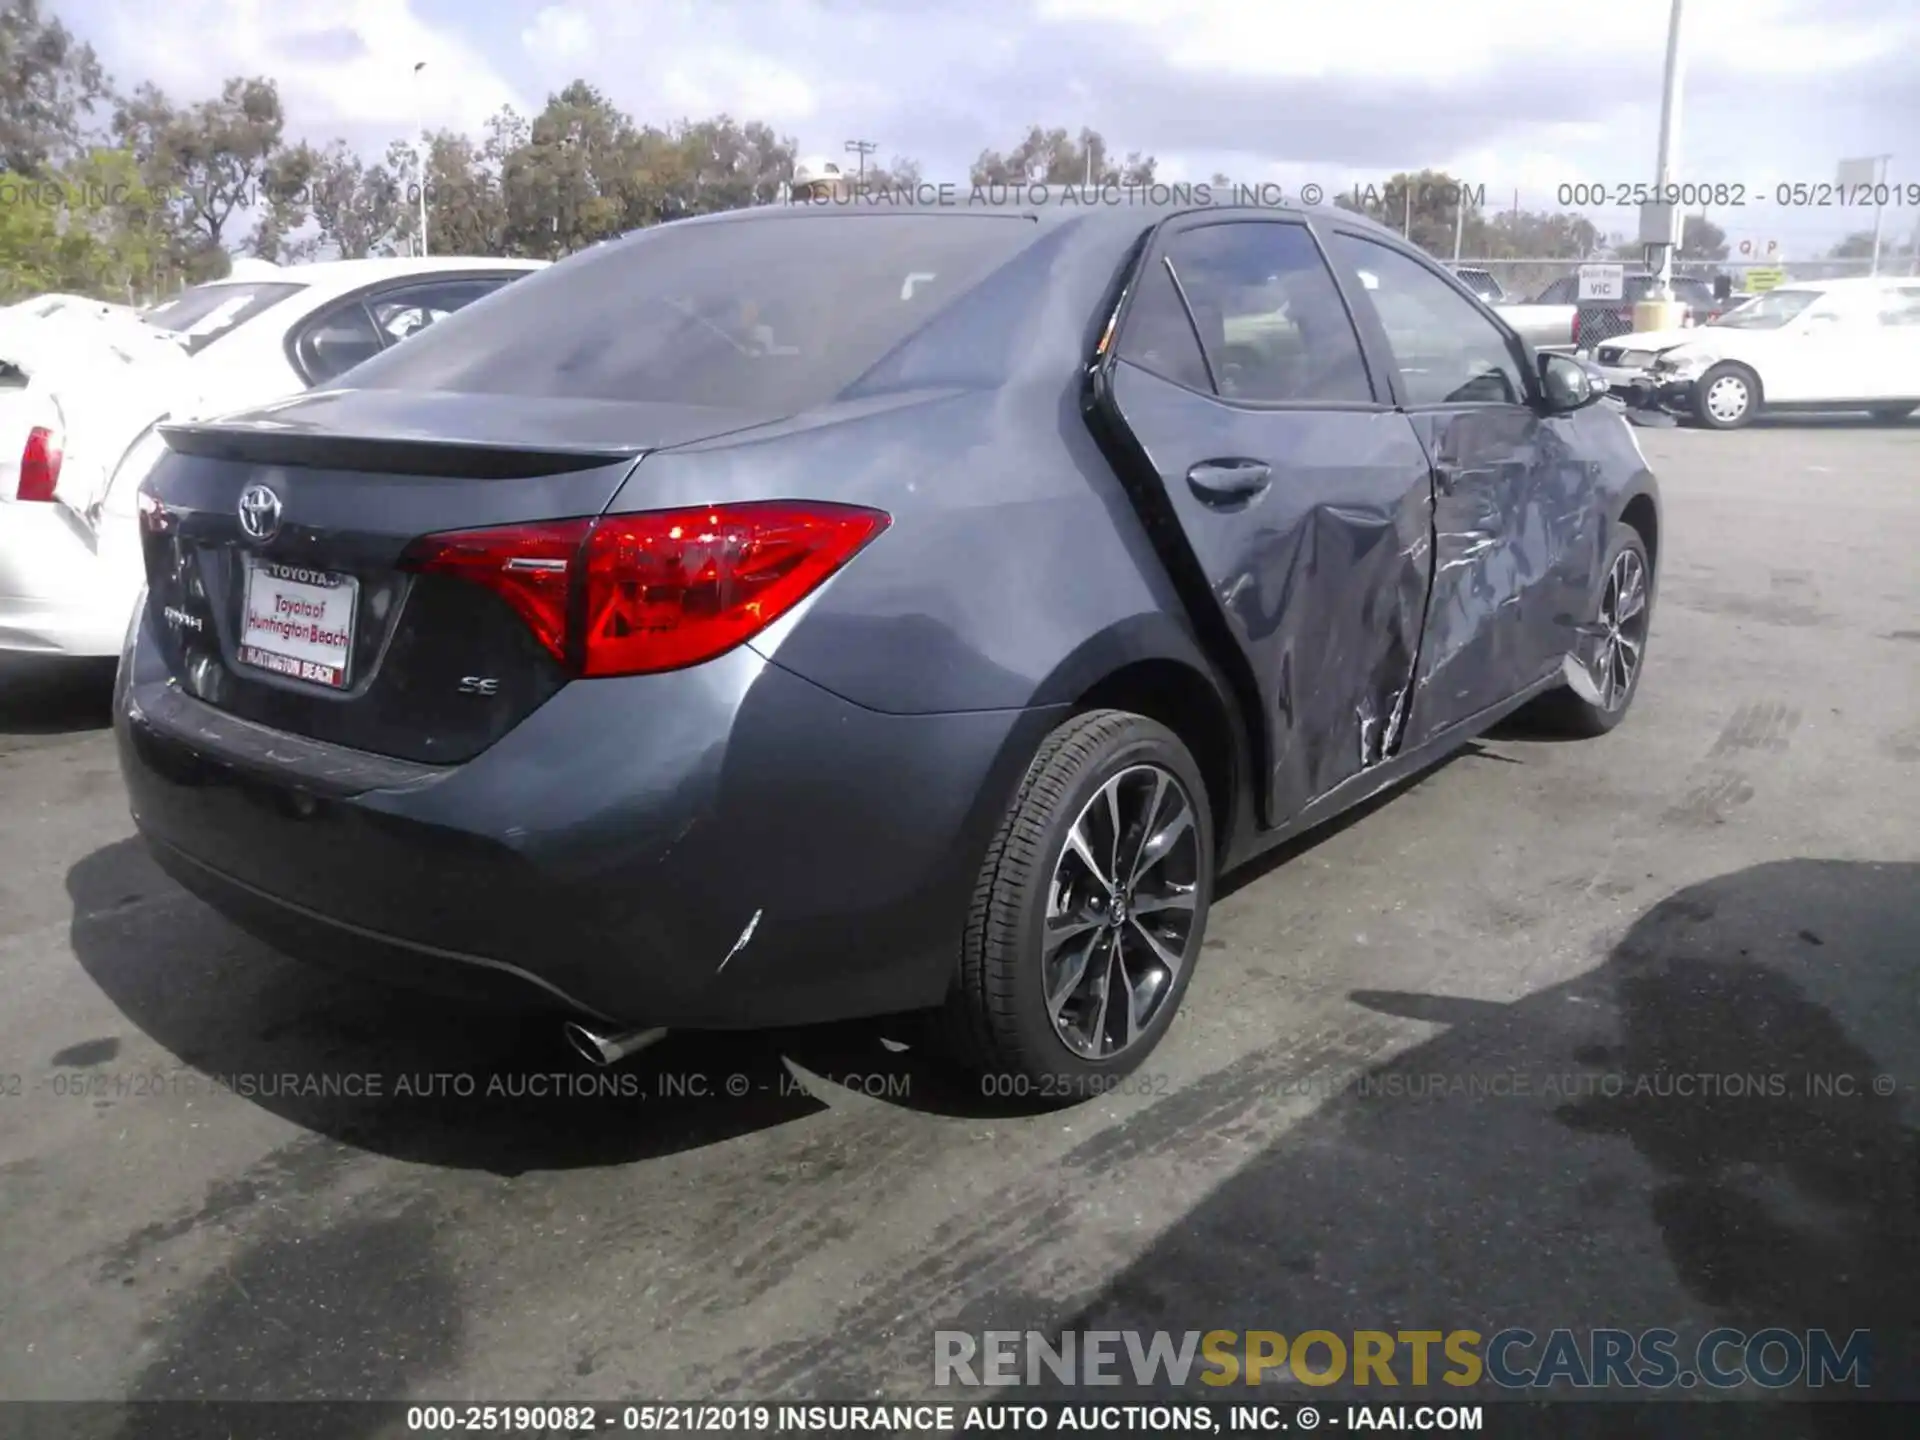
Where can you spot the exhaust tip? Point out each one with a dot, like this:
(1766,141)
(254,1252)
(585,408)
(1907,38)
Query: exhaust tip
(603,1048)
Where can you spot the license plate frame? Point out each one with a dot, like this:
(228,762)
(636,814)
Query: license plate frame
(296,596)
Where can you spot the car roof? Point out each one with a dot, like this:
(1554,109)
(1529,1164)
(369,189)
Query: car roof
(337,276)
(1111,209)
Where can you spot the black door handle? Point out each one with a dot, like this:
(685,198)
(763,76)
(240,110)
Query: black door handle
(1216,481)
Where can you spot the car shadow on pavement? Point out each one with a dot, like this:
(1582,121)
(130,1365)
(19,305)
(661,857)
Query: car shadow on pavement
(387,1070)
(54,695)
(1713,1127)
(466,1087)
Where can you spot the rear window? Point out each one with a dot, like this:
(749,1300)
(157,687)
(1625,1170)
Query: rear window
(206,312)
(764,314)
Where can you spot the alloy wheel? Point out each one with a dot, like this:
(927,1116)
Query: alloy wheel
(1619,634)
(1120,911)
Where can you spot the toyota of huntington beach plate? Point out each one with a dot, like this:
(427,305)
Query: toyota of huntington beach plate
(298,622)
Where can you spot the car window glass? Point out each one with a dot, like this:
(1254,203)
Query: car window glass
(400,313)
(1560,292)
(753,314)
(336,340)
(1269,313)
(1901,306)
(1447,351)
(203,314)
(1159,336)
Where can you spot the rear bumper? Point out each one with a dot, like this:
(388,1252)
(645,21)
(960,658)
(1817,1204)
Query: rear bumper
(607,855)
(59,595)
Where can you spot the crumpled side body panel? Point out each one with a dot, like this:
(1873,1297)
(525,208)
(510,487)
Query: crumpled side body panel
(1318,585)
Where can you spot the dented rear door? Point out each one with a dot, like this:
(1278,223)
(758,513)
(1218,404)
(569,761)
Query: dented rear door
(1292,502)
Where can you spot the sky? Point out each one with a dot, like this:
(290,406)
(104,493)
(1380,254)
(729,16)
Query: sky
(1520,96)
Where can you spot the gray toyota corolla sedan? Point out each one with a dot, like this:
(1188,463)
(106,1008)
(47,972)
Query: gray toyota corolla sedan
(814,612)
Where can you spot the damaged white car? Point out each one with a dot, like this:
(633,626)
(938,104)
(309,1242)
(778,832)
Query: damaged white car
(83,386)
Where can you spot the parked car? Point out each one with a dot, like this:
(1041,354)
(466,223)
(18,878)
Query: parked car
(1851,344)
(82,386)
(802,614)
(1597,321)
(1557,318)
(1481,283)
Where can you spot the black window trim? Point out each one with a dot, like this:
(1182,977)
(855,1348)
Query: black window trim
(1175,226)
(362,299)
(1517,348)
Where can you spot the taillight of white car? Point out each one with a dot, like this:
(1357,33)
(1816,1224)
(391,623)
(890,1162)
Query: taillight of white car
(40,464)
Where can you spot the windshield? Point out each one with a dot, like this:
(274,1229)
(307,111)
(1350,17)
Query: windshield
(1767,312)
(206,312)
(763,314)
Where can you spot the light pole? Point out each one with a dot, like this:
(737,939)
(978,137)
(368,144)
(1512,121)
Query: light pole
(420,152)
(1670,140)
(862,148)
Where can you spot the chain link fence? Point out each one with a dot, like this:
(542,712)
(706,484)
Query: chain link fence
(1525,281)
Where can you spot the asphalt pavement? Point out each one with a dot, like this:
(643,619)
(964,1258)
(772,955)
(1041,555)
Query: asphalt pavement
(229,1176)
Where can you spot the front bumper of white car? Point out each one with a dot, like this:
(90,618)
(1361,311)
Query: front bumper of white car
(64,590)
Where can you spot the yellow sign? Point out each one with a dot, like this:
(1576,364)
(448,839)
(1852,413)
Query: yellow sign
(1760,281)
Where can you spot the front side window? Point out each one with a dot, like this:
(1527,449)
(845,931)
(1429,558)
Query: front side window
(1769,311)
(1269,314)
(1901,307)
(1447,352)
(400,313)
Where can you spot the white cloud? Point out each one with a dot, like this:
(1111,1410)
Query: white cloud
(343,66)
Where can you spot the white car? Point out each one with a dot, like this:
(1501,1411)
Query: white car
(1851,344)
(82,388)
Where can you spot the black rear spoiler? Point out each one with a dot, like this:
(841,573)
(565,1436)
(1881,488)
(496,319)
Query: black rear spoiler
(394,454)
(438,432)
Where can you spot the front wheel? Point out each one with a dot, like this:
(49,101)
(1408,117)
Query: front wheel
(1089,912)
(1726,397)
(1603,673)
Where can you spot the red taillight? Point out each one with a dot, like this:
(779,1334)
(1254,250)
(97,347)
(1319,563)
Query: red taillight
(40,464)
(660,589)
(1576,327)
(531,567)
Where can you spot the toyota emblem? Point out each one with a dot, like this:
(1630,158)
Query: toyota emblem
(259,512)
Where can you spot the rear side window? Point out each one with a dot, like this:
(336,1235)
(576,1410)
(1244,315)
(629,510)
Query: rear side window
(761,314)
(1159,336)
(206,312)
(335,341)
(1269,314)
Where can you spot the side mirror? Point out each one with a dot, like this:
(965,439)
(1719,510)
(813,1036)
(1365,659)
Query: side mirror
(1568,385)
(1723,288)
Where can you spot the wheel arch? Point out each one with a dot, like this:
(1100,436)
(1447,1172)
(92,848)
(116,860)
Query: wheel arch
(1152,666)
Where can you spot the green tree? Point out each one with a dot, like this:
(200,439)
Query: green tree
(50,84)
(86,228)
(1701,239)
(215,160)
(355,205)
(1424,206)
(1054,157)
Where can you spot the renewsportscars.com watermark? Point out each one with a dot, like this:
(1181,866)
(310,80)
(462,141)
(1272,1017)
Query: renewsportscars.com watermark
(1512,1359)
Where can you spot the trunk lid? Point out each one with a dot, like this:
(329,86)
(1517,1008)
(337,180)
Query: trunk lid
(272,545)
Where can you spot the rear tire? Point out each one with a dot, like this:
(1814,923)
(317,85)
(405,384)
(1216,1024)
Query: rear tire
(1726,397)
(1072,912)
(1613,647)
